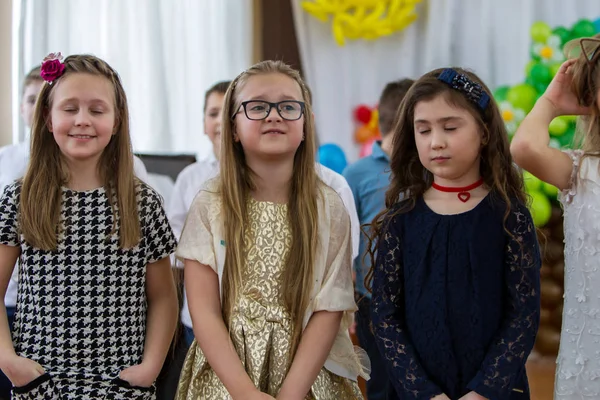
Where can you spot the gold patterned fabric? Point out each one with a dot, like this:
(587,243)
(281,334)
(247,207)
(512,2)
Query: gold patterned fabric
(260,325)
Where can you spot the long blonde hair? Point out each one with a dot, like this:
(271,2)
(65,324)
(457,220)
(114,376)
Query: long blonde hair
(236,183)
(47,172)
(585,86)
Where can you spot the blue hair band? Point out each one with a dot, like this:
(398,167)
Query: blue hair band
(472,90)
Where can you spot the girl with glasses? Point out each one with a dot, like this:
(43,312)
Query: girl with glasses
(267,254)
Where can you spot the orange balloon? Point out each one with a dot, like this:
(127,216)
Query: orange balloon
(362,134)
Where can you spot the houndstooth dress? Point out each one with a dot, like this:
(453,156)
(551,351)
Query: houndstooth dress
(81,310)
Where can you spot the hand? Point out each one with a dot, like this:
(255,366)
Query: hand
(21,371)
(441,397)
(473,396)
(352,327)
(258,395)
(560,95)
(140,375)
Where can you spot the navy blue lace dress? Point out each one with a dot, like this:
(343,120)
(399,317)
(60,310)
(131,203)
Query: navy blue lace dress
(456,301)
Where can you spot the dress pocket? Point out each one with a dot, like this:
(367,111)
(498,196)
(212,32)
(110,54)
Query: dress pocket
(122,390)
(41,388)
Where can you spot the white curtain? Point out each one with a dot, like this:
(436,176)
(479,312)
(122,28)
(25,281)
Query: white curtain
(167,52)
(490,37)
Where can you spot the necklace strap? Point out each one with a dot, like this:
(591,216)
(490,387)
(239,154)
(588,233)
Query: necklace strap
(450,189)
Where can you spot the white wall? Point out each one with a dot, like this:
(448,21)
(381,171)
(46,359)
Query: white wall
(5,72)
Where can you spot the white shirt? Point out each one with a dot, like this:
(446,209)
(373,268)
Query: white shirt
(13,164)
(192,178)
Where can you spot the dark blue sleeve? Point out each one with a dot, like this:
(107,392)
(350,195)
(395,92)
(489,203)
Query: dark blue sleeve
(407,375)
(505,360)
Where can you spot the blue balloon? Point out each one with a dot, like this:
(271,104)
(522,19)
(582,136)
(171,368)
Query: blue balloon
(332,156)
(597,25)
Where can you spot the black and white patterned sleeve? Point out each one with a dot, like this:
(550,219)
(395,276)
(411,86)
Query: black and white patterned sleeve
(9,208)
(159,238)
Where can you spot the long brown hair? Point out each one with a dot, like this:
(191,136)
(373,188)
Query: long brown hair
(410,179)
(236,183)
(586,85)
(48,172)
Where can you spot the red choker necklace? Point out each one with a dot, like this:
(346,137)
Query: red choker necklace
(463,192)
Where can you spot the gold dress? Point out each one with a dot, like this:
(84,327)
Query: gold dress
(260,325)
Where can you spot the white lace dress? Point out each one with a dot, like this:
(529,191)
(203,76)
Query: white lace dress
(578,369)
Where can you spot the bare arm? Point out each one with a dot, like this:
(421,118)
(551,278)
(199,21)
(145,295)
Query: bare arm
(19,370)
(8,259)
(531,151)
(160,325)
(530,146)
(162,312)
(202,287)
(313,350)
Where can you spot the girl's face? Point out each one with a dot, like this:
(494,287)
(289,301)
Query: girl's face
(273,136)
(448,141)
(82,116)
(212,120)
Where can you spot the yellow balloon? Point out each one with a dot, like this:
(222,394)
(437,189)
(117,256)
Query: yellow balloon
(366,19)
(315,11)
(338,32)
(374,121)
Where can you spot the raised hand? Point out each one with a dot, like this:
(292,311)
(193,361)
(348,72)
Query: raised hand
(560,94)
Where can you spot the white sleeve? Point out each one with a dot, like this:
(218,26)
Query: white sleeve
(338,183)
(348,199)
(177,211)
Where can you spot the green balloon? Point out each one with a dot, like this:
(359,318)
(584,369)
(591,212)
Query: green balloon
(540,208)
(540,31)
(529,66)
(500,93)
(566,140)
(532,182)
(522,96)
(529,81)
(554,143)
(540,74)
(554,69)
(583,28)
(559,126)
(541,89)
(571,118)
(550,190)
(563,33)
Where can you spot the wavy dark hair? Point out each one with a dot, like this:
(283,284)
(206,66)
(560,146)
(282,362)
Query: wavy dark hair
(410,179)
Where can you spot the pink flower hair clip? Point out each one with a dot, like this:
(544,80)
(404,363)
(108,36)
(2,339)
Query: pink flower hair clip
(52,67)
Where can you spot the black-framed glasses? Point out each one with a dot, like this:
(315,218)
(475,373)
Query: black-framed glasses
(256,110)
